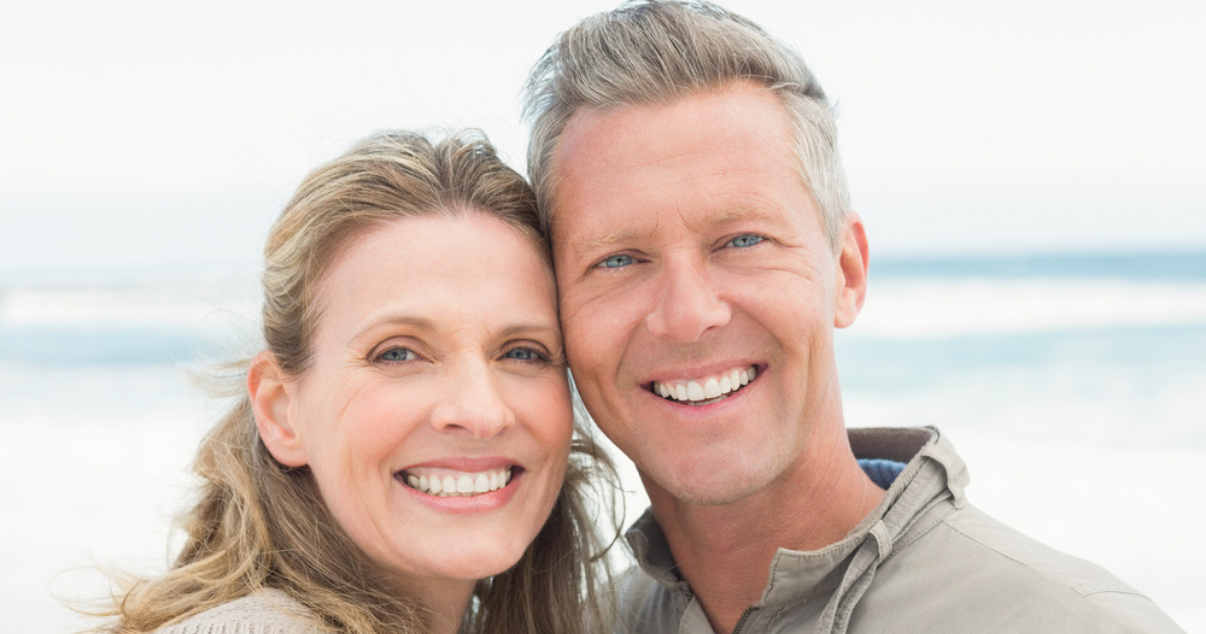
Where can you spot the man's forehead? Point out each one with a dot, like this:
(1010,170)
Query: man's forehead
(591,133)
(617,172)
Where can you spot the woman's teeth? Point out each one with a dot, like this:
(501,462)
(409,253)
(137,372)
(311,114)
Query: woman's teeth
(706,389)
(460,484)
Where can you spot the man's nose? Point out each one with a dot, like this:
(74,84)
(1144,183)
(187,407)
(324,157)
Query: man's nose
(687,304)
(472,404)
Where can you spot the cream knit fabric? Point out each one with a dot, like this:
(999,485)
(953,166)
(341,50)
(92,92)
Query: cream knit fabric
(262,612)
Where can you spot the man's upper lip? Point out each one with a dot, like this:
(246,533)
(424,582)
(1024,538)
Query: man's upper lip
(469,464)
(697,372)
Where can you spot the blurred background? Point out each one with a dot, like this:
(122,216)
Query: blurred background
(1030,174)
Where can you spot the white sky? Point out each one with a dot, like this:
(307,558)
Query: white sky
(162,135)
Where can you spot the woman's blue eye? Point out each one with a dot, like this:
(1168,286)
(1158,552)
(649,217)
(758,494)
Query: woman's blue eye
(744,241)
(523,354)
(617,261)
(398,354)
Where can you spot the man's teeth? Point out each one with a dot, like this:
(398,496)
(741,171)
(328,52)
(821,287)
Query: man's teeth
(457,484)
(707,388)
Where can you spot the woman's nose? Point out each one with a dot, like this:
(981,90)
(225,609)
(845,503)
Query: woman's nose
(472,403)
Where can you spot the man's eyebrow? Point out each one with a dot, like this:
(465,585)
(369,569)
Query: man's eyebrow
(608,239)
(746,211)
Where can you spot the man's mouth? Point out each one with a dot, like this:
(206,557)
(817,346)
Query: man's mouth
(447,483)
(705,390)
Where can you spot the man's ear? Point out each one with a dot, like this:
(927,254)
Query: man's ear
(270,400)
(853,260)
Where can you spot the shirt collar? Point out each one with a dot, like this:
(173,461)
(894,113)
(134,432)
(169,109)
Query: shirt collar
(796,576)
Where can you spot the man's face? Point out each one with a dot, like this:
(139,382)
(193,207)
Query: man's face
(690,260)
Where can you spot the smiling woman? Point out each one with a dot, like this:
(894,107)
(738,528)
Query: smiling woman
(426,368)
(405,459)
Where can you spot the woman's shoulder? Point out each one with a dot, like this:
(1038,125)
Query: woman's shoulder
(265,611)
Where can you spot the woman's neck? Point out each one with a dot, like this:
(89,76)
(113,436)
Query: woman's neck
(447,599)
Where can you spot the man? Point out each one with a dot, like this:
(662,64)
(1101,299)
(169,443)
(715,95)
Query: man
(687,167)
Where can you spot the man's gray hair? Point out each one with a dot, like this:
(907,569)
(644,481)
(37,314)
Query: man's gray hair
(651,52)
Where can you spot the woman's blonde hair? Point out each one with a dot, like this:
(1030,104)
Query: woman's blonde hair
(259,524)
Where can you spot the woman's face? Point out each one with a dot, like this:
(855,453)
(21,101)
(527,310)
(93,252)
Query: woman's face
(435,416)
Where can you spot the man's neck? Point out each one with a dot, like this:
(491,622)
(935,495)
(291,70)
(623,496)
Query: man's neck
(724,551)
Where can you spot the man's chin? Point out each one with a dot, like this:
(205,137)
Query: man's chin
(714,488)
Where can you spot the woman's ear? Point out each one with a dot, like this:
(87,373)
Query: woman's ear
(270,396)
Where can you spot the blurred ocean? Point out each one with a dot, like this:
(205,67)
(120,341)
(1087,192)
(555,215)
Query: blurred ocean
(1075,388)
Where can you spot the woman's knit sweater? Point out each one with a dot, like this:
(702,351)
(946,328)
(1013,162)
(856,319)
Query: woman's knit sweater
(262,612)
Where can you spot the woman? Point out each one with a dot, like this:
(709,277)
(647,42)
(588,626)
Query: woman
(399,461)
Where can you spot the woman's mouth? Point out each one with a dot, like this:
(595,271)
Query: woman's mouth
(451,483)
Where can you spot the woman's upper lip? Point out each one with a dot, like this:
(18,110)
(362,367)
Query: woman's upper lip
(464,463)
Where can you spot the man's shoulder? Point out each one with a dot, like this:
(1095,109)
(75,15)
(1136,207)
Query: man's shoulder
(262,612)
(970,572)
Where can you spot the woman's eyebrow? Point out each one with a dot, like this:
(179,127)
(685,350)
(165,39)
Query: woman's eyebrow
(421,324)
(530,328)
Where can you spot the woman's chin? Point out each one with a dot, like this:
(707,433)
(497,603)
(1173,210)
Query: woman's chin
(475,563)
(462,548)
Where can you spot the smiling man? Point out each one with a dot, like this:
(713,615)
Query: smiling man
(688,173)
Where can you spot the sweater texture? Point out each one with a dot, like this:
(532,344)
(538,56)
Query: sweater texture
(262,612)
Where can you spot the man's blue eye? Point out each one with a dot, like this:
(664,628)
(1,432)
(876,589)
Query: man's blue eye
(616,261)
(744,241)
(397,354)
